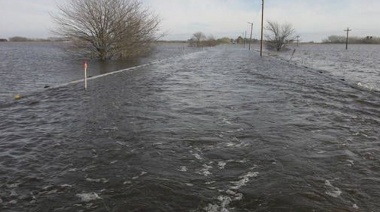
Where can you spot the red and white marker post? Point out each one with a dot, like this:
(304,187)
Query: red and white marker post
(85,65)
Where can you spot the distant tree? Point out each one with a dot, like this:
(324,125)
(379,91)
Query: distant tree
(198,39)
(278,35)
(210,41)
(240,39)
(225,40)
(356,40)
(107,29)
(335,39)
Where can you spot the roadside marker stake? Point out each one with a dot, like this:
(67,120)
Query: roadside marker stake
(85,75)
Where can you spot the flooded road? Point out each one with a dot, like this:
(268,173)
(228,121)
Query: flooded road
(216,130)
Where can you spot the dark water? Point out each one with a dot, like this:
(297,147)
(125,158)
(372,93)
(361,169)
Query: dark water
(217,130)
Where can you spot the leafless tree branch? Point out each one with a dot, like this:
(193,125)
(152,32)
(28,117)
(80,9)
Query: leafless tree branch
(278,35)
(108,29)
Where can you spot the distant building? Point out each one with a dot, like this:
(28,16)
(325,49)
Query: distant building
(3,40)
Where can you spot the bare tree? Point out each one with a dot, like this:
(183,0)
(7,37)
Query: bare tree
(278,35)
(108,29)
(198,38)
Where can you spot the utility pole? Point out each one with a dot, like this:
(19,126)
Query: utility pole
(347,30)
(250,37)
(245,37)
(262,28)
(298,39)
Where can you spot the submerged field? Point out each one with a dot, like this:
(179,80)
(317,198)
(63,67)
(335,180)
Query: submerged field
(359,65)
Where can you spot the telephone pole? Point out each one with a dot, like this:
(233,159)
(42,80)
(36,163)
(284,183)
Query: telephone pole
(347,30)
(262,28)
(250,37)
(245,37)
(298,39)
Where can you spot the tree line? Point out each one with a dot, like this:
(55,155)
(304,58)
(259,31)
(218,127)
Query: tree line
(354,40)
(199,39)
(25,39)
(277,37)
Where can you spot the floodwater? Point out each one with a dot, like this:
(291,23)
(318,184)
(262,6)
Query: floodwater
(358,65)
(31,66)
(215,130)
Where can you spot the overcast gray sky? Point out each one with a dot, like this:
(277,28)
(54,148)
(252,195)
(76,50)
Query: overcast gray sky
(313,20)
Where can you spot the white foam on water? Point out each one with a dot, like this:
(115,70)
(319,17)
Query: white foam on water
(226,121)
(235,144)
(89,168)
(236,196)
(14,185)
(102,180)
(244,180)
(197,156)
(221,164)
(332,190)
(87,197)
(183,169)
(351,162)
(238,161)
(230,144)
(360,133)
(231,194)
(224,202)
(66,186)
(52,191)
(206,170)
(366,86)
(212,208)
(141,174)
(121,143)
